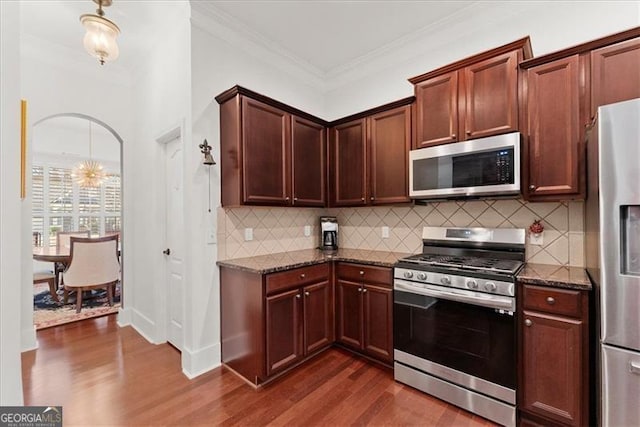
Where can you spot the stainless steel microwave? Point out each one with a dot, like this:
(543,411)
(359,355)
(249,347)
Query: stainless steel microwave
(480,167)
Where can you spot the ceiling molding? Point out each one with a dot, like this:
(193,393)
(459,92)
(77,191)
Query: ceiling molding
(207,17)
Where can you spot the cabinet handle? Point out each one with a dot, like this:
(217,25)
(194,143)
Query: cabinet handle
(302,276)
(306,293)
(532,187)
(298,296)
(359,289)
(287,198)
(453,135)
(528,322)
(364,290)
(468,132)
(295,199)
(361,272)
(551,300)
(362,199)
(372,198)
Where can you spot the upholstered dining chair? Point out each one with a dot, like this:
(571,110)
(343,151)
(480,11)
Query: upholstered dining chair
(94,264)
(63,240)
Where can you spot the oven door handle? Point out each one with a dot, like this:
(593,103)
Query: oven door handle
(468,297)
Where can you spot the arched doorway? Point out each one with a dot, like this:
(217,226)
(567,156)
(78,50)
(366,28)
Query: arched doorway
(59,203)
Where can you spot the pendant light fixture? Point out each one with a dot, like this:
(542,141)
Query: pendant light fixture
(100,39)
(89,173)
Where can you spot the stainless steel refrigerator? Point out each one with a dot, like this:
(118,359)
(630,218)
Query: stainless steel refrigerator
(612,249)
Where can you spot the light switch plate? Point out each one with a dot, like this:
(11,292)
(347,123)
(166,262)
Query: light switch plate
(248,234)
(307,230)
(211,236)
(385,232)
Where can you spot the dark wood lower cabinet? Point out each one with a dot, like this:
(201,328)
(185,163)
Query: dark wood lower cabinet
(318,316)
(364,310)
(284,332)
(554,357)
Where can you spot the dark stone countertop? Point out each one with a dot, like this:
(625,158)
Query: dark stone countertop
(555,276)
(271,263)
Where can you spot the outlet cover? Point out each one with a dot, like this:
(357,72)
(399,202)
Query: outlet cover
(307,230)
(248,234)
(536,239)
(385,232)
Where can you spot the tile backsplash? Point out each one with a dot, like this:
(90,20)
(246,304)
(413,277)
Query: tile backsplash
(282,229)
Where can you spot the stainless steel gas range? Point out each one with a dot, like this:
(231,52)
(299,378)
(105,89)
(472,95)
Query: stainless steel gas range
(454,318)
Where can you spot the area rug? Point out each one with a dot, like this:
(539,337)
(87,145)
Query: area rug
(48,313)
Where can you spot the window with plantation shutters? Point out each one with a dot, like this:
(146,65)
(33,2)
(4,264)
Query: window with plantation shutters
(61,205)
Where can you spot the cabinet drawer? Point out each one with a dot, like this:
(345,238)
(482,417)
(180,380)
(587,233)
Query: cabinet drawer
(276,282)
(557,301)
(365,273)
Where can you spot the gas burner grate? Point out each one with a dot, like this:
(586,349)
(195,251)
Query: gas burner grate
(466,262)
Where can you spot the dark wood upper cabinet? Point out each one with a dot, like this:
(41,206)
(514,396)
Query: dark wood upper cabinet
(369,157)
(471,98)
(318,316)
(437,110)
(389,145)
(348,164)
(490,90)
(554,132)
(308,146)
(615,73)
(266,153)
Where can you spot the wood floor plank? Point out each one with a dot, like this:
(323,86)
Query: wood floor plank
(91,365)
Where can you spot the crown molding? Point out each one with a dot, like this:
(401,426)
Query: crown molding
(207,17)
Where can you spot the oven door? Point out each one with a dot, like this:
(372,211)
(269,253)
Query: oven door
(464,337)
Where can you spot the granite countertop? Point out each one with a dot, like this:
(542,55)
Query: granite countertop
(271,263)
(555,276)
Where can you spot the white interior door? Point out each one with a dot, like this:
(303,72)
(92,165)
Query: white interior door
(174,252)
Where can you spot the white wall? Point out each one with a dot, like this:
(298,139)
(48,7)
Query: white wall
(10,207)
(551,25)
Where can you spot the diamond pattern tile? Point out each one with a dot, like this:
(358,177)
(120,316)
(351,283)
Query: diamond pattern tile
(281,229)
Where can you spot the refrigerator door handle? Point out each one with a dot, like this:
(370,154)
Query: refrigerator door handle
(634,368)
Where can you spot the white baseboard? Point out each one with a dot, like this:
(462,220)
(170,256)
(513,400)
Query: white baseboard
(198,362)
(145,326)
(28,339)
(125,317)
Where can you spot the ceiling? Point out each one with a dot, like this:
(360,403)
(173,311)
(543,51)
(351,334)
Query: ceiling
(324,35)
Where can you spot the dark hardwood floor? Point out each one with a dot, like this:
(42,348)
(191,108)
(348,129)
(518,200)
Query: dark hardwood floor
(105,375)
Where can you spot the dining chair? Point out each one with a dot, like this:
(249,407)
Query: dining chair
(50,279)
(63,240)
(94,265)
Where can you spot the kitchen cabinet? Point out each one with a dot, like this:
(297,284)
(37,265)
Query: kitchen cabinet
(369,157)
(271,154)
(554,357)
(274,321)
(472,98)
(364,310)
(554,148)
(615,73)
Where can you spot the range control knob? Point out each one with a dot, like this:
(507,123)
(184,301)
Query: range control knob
(490,286)
(446,280)
(422,276)
(408,274)
(472,284)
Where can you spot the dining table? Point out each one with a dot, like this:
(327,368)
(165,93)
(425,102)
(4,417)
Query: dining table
(52,254)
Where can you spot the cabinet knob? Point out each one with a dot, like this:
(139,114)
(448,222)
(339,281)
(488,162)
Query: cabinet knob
(453,136)
(302,276)
(372,198)
(528,322)
(364,290)
(306,293)
(551,300)
(298,296)
(287,198)
(468,132)
(361,272)
(532,187)
(295,199)
(362,199)
(359,289)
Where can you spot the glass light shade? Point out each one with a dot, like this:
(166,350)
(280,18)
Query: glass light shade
(100,39)
(89,173)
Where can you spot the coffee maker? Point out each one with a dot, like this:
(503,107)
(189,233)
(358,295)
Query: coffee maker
(328,233)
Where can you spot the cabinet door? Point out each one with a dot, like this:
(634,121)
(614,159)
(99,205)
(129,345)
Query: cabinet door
(308,146)
(436,110)
(350,314)
(552,381)
(490,103)
(555,141)
(318,316)
(284,334)
(348,155)
(378,322)
(265,153)
(615,73)
(389,145)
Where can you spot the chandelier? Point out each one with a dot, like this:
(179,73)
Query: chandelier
(100,39)
(89,173)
